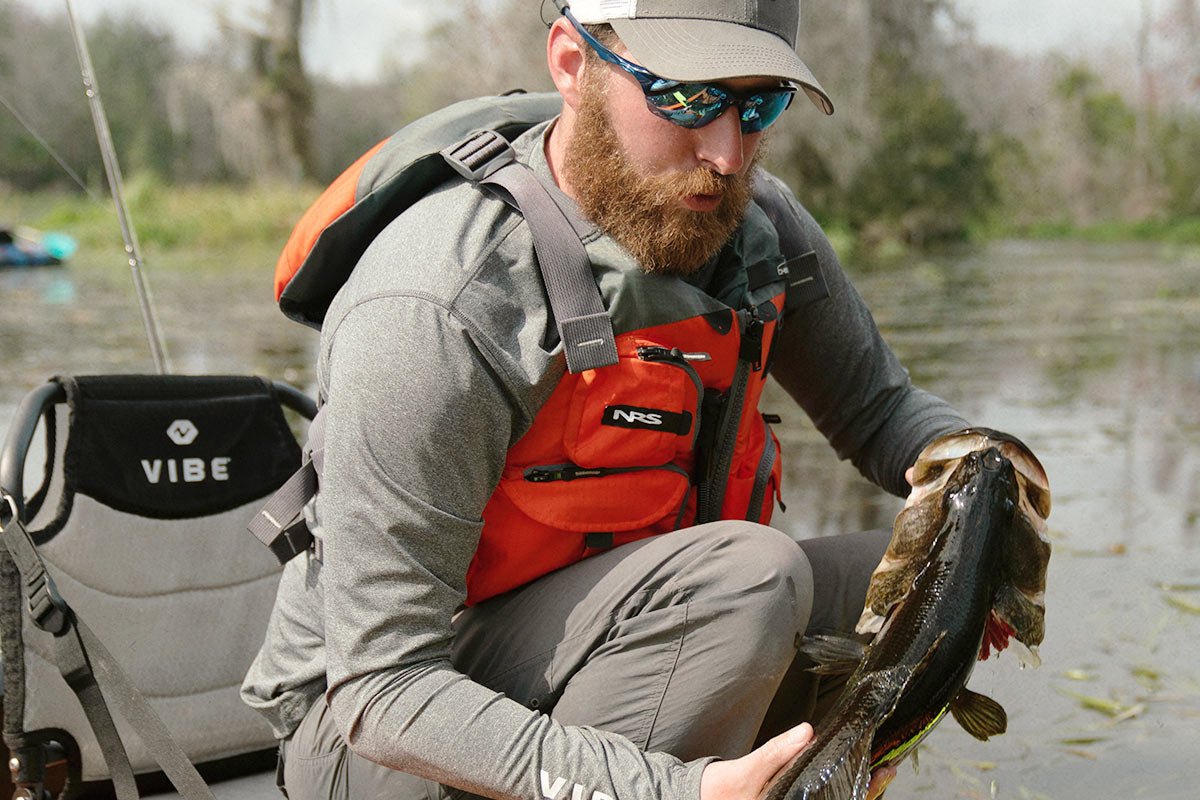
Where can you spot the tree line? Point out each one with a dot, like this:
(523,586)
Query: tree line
(934,135)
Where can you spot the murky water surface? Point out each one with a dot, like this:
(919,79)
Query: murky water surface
(1091,354)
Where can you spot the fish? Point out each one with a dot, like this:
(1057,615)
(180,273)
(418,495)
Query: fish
(964,575)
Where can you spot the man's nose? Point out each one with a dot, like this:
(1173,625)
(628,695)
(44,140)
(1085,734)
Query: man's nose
(720,144)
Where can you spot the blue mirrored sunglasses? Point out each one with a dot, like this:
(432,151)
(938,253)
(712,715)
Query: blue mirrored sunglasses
(694,105)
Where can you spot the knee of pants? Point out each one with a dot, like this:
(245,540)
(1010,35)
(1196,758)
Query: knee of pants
(756,572)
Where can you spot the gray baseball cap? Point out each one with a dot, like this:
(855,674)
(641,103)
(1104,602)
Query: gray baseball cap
(708,40)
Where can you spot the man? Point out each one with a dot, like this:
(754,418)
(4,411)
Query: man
(535,583)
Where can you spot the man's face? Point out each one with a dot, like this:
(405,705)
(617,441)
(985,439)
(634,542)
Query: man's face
(672,196)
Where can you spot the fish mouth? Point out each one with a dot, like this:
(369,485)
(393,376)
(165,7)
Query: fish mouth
(991,460)
(940,456)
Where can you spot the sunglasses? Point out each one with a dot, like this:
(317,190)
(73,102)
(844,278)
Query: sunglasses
(694,105)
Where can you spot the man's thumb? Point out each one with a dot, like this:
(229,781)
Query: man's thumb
(776,753)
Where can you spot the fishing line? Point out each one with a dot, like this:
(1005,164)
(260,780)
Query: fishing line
(53,153)
(112,168)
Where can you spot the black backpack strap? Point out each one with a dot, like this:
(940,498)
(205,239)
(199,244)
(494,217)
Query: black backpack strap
(801,268)
(280,524)
(87,667)
(583,323)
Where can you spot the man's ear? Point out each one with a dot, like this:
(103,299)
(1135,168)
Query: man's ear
(565,58)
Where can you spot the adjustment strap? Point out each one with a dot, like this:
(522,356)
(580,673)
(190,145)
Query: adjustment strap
(47,609)
(583,323)
(280,524)
(85,663)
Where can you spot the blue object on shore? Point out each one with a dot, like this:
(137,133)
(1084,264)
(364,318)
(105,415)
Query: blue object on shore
(34,249)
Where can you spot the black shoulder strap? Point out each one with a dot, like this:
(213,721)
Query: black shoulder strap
(801,268)
(583,323)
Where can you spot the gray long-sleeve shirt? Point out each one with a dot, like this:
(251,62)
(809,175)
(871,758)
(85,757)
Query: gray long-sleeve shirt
(435,358)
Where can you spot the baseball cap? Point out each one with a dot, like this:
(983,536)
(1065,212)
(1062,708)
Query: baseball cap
(708,40)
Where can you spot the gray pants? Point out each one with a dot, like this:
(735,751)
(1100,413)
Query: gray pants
(688,646)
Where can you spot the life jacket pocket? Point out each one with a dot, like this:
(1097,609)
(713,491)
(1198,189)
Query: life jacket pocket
(573,498)
(644,411)
(754,487)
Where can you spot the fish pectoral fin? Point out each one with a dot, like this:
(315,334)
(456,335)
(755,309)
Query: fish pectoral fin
(979,715)
(834,655)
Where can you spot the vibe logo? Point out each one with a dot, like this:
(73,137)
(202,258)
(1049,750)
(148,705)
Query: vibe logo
(182,432)
(185,470)
(553,791)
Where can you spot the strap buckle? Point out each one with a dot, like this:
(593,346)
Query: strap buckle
(47,609)
(479,155)
(280,523)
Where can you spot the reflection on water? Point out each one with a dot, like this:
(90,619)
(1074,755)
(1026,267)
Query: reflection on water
(1090,354)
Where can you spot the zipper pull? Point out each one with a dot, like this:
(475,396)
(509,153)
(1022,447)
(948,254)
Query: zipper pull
(752,340)
(561,472)
(656,353)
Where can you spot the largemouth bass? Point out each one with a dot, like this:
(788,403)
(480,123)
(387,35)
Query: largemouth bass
(964,573)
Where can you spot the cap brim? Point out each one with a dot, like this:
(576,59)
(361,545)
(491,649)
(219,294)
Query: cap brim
(708,50)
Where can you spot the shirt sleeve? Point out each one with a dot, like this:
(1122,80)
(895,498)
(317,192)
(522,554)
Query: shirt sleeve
(419,416)
(831,358)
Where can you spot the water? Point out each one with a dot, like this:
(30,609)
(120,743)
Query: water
(1091,354)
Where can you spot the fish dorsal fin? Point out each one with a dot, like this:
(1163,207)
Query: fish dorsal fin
(834,655)
(979,715)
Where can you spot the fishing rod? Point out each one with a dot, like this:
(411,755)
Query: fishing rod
(24,123)
(112,168)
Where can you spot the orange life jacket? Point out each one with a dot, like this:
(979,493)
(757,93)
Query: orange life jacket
(668,437)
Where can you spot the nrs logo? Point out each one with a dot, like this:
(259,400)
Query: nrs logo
(182,432)
(651,419)
(553,791)
(643,417)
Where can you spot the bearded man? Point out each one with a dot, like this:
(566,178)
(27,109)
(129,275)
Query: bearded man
(542,582)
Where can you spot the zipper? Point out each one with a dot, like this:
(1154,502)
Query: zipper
(678,358)
(762,475)
(712,490)
(569,472)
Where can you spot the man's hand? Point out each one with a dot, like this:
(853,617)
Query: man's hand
(746,778)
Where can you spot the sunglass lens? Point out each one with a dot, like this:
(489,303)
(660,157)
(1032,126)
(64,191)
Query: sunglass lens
(689,105)
(760,111)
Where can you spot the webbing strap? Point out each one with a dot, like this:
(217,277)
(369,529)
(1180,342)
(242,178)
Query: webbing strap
(280,524)
(88,667)
(583,323)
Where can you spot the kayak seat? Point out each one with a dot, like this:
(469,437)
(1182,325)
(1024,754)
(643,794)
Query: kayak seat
(134,498)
